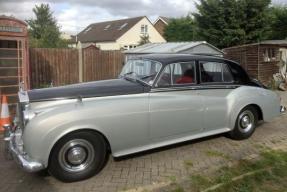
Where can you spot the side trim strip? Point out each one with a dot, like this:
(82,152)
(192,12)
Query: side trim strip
(84,97)
(194,88)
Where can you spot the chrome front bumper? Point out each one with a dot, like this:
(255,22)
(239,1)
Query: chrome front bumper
(18,155)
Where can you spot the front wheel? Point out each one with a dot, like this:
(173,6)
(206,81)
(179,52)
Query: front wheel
(77,156)
(245,123)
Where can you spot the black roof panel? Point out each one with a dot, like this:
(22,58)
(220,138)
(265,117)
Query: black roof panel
(174,58)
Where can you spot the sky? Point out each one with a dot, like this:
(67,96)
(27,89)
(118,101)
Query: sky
(74,15)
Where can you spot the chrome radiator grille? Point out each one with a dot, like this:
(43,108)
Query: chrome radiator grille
(19,121)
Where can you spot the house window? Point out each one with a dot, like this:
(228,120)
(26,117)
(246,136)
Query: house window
(88,29)
(144,29)
(269,54)
(107,27)
(122,26)
(125,47)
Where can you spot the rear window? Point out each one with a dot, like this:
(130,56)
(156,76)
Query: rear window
(212,72)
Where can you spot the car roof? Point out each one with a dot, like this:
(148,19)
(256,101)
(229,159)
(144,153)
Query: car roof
(175,58)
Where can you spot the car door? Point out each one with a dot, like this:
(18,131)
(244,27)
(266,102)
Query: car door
(176,108)
(216,82)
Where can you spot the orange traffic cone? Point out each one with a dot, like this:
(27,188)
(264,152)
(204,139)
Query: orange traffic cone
(5,116)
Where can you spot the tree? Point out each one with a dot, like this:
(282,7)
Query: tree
(180,29)
(144,39)
(44,31)
(279,22)
(225,23)
(256,22)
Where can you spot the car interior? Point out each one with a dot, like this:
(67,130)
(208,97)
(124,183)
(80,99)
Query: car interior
(185,73)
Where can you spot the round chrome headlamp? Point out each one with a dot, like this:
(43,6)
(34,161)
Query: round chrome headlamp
(27,114)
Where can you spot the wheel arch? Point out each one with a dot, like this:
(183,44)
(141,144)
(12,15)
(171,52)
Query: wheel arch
(236,112)
(76,131)
(240,132)
(258,109)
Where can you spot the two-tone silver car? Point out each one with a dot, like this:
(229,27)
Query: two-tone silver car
(158,100)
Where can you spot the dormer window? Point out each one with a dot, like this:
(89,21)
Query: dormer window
(144,29)
(122,26)
(88,29)
(107,27)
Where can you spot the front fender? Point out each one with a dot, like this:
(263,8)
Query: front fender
(43,131)
(118,118)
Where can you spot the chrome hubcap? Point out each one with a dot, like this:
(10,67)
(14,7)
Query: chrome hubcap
(76,155)
(246,121)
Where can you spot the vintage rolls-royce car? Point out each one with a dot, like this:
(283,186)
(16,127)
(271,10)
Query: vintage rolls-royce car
(157,100)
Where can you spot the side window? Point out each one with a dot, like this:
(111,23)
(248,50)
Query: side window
(177,74)
(211,72)
(183,73)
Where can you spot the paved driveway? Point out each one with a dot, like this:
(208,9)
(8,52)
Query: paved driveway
(153,167)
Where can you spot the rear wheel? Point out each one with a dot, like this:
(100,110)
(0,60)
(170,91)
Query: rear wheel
(78,156)
(245,123)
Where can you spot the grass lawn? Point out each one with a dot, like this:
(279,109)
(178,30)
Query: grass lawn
(268,173)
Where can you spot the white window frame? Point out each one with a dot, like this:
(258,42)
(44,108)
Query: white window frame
(268,54)
(144,29)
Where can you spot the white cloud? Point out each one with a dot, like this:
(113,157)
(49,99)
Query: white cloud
(74,19)
(74,15)
(21,11)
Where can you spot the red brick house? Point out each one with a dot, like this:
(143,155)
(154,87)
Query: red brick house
(161,23)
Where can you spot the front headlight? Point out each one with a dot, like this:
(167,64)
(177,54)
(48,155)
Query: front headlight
(27,114)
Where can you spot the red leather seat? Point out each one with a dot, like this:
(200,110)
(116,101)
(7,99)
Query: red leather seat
(184,79)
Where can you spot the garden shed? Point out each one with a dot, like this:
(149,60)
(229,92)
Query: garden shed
(261,60)
(192,47)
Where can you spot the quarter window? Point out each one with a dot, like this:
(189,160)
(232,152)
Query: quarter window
(214,72)
(165,77)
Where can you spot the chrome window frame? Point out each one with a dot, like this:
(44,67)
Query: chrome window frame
(172,85)
(155,78)
(213,83)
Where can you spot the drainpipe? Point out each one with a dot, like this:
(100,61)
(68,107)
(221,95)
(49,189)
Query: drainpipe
(258,57)
(80,61)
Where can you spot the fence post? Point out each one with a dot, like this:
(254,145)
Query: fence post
(80,51)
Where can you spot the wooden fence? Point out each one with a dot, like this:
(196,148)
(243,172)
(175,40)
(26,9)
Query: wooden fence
(98,65)
(62,66)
